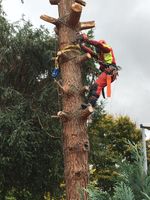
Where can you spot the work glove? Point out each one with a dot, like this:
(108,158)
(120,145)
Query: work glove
(84,37)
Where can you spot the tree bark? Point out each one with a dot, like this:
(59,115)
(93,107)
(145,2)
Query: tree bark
(75,138)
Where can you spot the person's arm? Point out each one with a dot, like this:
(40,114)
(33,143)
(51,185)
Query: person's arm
(104,47)
(88,50)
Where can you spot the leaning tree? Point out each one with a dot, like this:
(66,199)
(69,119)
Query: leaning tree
(74,119)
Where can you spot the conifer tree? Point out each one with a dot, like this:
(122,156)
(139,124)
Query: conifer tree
(30,141)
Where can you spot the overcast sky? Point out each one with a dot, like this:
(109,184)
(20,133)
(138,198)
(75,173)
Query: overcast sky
(125,25)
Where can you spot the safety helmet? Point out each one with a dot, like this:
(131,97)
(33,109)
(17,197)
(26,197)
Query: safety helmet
(102,41)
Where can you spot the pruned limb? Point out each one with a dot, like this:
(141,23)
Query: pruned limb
(63,115)
(86,25)
(83,3)
(85,113)
(49,19)
(85,88)
(54,116)
(66,89)
(54,2)
(75,14)
(84,57)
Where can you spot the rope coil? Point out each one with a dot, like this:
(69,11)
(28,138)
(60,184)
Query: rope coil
(68,48)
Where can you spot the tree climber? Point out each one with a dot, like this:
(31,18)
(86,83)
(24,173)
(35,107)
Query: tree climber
(105,56)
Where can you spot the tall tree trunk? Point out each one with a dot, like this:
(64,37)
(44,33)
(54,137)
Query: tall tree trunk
(74,129)
(75,138)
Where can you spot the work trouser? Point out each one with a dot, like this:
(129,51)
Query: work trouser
(96,88)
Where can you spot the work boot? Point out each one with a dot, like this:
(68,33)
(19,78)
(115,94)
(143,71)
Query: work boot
(93,100)
(84,105)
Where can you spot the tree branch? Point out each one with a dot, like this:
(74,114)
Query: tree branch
(63,115)
(49,19)
(40,122)
(84,57)
(52,136)
(83,3)
(86,25)
(85,113)
(54,2)
(75,14)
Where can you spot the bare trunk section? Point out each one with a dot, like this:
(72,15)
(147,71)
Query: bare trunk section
(75,138)
(74,130)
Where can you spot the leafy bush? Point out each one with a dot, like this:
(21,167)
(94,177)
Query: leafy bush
(132,184)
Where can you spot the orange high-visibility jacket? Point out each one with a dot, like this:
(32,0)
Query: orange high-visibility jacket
(106,53)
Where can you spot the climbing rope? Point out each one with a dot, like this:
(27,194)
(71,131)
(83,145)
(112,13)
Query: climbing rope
(68,48)
(75,48)
(62,20)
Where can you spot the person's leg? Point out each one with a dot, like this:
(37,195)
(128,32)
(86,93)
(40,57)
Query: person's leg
(92,97)
(97,87)
(96,90)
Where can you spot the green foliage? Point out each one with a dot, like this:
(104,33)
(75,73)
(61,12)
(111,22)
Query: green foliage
(123,192)
(14,195)
(30,141)
(148,152)
(133,174)
(96,194)
(132,184)
(108,136)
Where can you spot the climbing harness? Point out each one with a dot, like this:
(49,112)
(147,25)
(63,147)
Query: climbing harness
(109,77)
(109,69)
